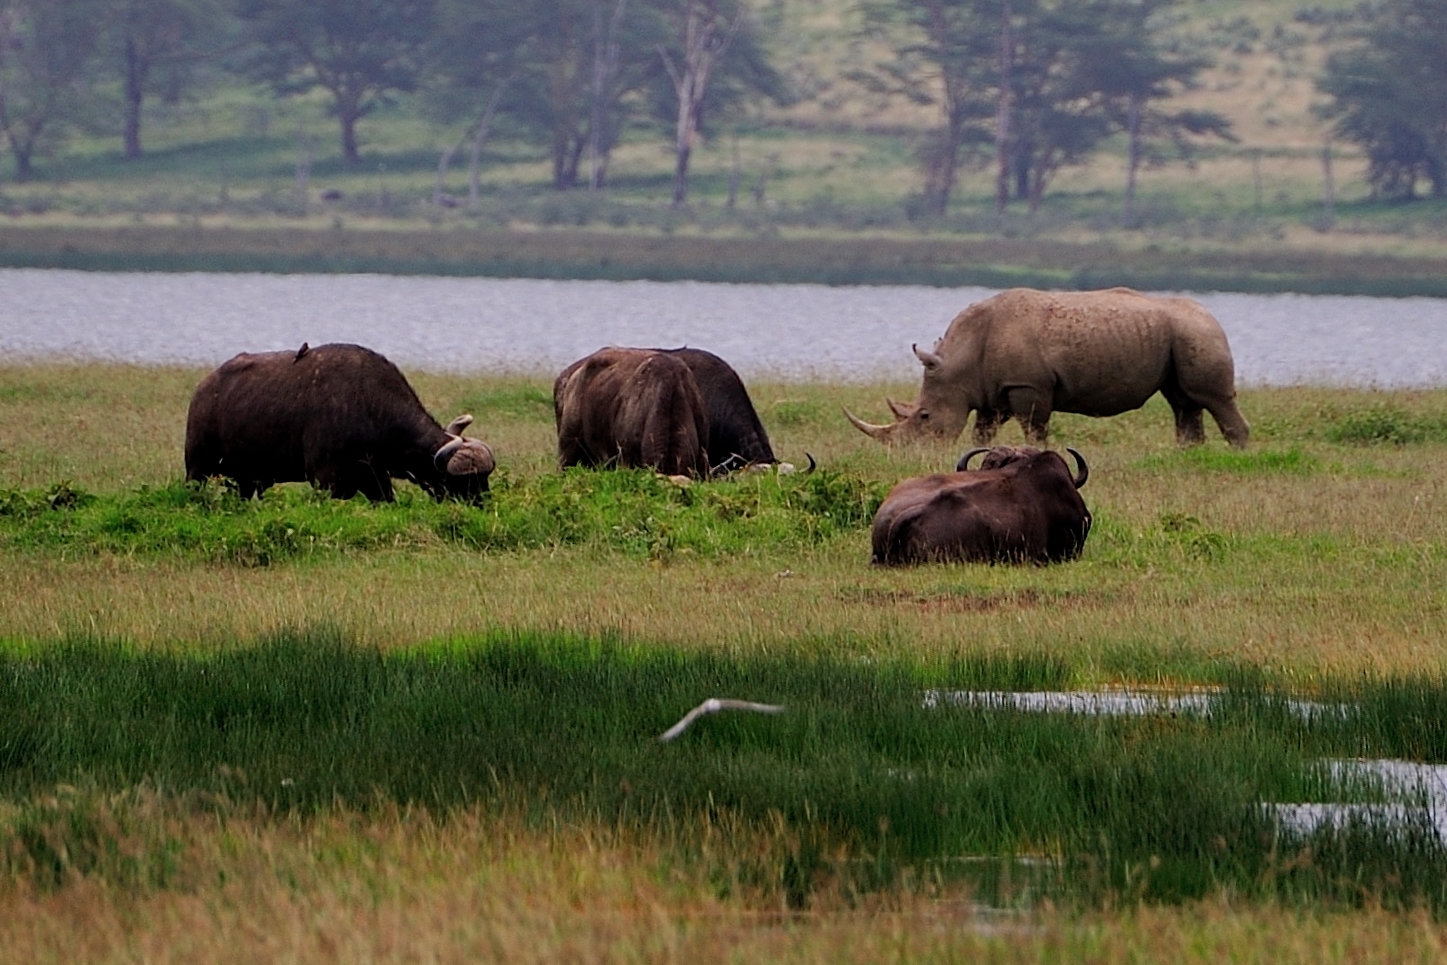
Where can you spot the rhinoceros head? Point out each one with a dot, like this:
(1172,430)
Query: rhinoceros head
(936,414)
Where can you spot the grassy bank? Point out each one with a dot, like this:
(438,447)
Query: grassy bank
(722,253)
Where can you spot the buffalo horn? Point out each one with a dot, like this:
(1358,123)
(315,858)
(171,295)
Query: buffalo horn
(439,459)
(964,462)
(928,359)
(1083,472)
(455,427)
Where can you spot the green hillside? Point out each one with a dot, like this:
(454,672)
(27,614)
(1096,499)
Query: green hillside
(839,162)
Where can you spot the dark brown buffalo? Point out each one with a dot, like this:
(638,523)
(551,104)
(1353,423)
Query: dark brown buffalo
(1021,505)
(339,416)
(631,407)
(736,437)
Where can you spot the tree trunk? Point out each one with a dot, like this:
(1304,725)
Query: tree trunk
(683,150)
(940,176)
(479,138)
(703,46)
(350,156)
(442,162)
(138,65)
(605,69)
(1002,111)
(23,153)
(734,176)
(1133,156)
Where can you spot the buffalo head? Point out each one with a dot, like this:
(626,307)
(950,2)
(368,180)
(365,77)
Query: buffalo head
(1001,456)
(463,464)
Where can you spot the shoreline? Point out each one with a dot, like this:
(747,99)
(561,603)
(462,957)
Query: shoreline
(778,259)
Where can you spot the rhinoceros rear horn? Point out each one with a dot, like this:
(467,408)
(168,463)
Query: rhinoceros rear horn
(964,463)
(455,427)
(882,433)
(1082,470)
(928,359)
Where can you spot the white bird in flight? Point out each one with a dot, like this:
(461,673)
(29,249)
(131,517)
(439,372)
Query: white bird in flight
(712,706)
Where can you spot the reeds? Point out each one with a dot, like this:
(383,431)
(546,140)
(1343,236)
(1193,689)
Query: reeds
(865,783)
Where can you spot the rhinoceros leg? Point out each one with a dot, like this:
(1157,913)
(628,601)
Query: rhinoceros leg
(987,423)
(1032,407)
(1189,430)
(1233,424)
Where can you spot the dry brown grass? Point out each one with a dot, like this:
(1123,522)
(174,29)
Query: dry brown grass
(407,887)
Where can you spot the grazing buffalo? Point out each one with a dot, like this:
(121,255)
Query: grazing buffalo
(1021,505)
(339,416)
(1027,353)
(736,437)
(631,407)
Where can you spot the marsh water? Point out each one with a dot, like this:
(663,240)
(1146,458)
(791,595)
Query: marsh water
(526,325)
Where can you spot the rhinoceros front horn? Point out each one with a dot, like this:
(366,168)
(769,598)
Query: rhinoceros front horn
(882,433)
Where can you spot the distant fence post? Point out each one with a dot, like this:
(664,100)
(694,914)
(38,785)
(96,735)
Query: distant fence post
(1256,176)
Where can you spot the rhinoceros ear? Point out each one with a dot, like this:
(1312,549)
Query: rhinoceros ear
(455,427)
(928,359)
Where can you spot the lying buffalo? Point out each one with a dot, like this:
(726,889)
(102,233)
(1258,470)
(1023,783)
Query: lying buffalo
(1026,354)
(631,407)
(339,416)
(736,437)
(1021,505)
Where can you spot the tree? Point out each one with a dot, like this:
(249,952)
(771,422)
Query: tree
(360,51)
(1060,114)
(156,44)
(589,62)
(1045,81)
(945,52)
(1134,66)
(1389,95)
(477,53)
(46,51)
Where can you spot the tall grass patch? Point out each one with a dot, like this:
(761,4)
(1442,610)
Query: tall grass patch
(1387,424)
(869,777)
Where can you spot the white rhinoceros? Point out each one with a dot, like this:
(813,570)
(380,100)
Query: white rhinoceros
(1027,353)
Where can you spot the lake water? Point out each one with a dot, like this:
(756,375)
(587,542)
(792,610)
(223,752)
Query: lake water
(792,331)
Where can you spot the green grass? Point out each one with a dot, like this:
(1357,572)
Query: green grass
(1387,424)
(634,512)
(869,780)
